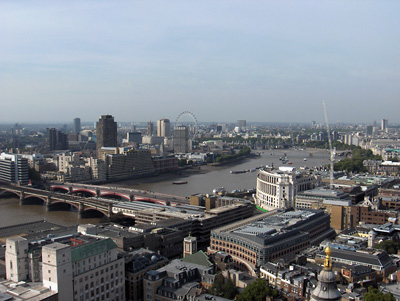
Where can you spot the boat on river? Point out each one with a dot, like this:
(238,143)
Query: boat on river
(179,182)
(219,191)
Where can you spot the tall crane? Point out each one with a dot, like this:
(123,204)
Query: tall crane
(332,152)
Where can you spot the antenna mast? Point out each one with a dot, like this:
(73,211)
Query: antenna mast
(332,157)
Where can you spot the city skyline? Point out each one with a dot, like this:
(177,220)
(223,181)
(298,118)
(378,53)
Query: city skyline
(223,61)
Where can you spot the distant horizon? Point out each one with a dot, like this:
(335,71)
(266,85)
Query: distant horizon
(222,60)
(85,123)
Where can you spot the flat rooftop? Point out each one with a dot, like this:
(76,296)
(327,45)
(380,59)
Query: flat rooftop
(273,224)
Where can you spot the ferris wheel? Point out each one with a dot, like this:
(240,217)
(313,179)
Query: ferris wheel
(189,120)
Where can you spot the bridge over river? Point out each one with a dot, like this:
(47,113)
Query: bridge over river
(88,197)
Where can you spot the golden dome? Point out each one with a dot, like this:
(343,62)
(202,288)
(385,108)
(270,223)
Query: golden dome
(328,251)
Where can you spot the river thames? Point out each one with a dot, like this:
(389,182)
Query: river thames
(203,180)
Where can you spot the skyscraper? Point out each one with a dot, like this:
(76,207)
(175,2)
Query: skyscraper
(57,140)
(77,125)
(163,128)
(181,139)
(150,128)
(106,133)
(384,124)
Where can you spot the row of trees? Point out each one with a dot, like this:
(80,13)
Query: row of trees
(244,151)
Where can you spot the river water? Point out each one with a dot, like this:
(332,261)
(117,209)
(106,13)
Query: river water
(203,180)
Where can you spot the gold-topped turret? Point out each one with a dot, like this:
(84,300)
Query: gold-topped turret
(328,260)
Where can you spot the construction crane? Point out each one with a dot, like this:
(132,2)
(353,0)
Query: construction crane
(332,152)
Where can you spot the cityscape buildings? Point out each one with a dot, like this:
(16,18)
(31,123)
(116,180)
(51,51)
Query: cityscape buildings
(14,169)
(277,188)
(384,124)
(106,133)
(270,236)
(181,139)
(77,125)
(163,128)
(57,140)
(77,267)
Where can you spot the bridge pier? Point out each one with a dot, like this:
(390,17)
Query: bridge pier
(21,198)
(81,210)
(110,213)
(48,203)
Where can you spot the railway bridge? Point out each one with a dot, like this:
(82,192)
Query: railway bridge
(86,198)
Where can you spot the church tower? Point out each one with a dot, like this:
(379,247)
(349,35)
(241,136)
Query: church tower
(189,245)
(326,288)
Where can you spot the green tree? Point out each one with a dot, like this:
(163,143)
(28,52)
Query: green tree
(229,289)
(257,291)
(218,286)
(374,294)
(389,246)
(34,175)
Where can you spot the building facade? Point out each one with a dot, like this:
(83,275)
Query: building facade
(163,128)
(106,133)
(269,237)
(14,169)
(277,188)
(57,140)
(77,125)
(181,139)
(77,267)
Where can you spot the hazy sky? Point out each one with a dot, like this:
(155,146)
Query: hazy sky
(221,60)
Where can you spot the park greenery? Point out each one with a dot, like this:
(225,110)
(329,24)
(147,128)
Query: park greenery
(335,144)
(355,163)
(374,294)
(258,290)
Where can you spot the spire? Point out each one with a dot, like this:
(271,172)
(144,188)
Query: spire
(328,260)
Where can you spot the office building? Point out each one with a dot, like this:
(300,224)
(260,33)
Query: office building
(163,128)
(384,124)
(370,130)
(277,188)
(181,139)
(127,163)
(14,169)
(77,267)
(134,137)
(106,133)
(150,129)
(57,140)
(77,125)
(270,236)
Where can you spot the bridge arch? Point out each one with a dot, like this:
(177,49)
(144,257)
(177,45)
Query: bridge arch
(86,191)
(17,194)
(88,210)
(59,188)
(55,202)
(31,196)
(110,194)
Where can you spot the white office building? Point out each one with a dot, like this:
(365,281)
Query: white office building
(277,188)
